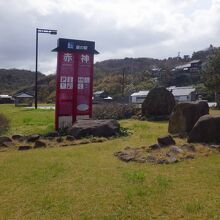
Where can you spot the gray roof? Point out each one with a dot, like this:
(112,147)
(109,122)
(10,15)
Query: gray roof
(5,96)
(187,65)
(177,91)
(181,91)
(23,95)
(140,93)
(98,92)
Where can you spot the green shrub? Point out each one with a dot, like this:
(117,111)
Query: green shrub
(4,124)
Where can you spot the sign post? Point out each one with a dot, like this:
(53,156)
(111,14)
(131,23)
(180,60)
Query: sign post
(74,81)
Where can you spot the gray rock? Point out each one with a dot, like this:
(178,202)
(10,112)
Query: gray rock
(59,139)
(140,160)
(4,139)
(176,150)
(159,102)
(185,115)
(124,156)
(151,159)
(5,145)
(166,141)
(24,147)
(173,160)
(162,161)
(97,128)
(189,147)
(84,142)
(206,130)
(39,144)
(70,138)
(215,146)
(18,137)
(154,147)
(33,137)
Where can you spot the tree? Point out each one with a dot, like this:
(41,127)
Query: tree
(211,75)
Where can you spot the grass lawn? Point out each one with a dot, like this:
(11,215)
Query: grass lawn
(28,121)
(88,182)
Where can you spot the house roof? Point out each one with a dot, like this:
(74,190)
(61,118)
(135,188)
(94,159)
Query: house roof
(5,96)
(187,65)
(177,91)
(23,95)
(181,91)
(183,66)
(195,61)
(98,92)
(140,93)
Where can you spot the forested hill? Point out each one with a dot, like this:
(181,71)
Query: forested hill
(12,80)
(108,75)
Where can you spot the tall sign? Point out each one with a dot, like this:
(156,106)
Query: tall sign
(74,81)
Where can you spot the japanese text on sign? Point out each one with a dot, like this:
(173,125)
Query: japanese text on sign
(84,58)
(66,82)
(67,57)
(82,81)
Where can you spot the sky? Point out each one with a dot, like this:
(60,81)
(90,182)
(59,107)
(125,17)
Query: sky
(120,28)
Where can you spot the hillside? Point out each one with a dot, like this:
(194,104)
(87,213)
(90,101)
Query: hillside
(116,76)
(46,89)
(12,80)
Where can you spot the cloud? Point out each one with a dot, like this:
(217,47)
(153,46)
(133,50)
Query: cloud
(121,28)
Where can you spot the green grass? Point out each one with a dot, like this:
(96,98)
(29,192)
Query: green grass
(88,182)
(28,121)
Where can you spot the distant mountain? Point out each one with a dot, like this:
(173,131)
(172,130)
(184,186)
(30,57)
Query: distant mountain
(116,76)
(12,80)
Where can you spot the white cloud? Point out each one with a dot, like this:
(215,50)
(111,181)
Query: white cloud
(121,28)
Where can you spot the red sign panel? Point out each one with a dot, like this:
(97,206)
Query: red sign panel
(74,82)
(84,84)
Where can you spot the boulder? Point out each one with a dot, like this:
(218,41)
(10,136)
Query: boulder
(97,128)
(206,130)
(151,159)
(70,138)
(124,156)
(25,147)
(166,141)
(33,137)
(39,144)
(17,137)
(185,115)
(59,139)
(159,102)
(176,150)
(154,147)
(4,139)
(189,147)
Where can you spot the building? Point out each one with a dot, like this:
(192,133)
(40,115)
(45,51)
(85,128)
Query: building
(23,99)
(183,94)
(6,99)
(192,66)
(101,96)
(138,97)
